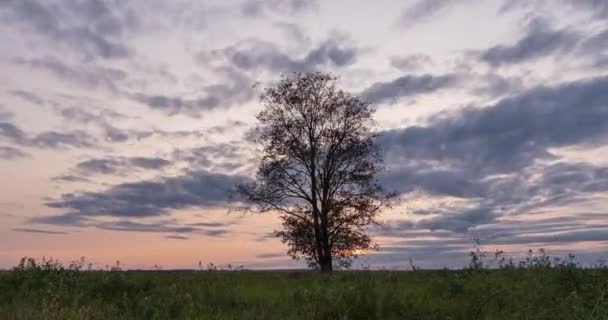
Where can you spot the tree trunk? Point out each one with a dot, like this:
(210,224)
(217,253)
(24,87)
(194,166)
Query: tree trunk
(321,234)
(325,243)
(318,241)
(326,264)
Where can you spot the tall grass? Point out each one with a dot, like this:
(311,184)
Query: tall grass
(538,287)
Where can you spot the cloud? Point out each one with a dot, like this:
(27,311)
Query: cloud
(151,198)
(257,54)
(495,85)
(119,165)
(125,225)
(221,157)
(512,133)
(293,33)
(270,255)
(69,178)
(538,42)
(95,28)
(87,76)
(5,115)
(208,224)
(163,226)
(499,158)
(66,219)
(30,230)
(411,62)
(406,86)
(174,237)
(598,8)
(541,40)
(47,139)
(460,221)
(237,88)
(60,140)
(27,96)
(454,243)
(89,115)
(10,153)
(517,232)
(422,10)
(102,118)
(258,8)
(11,132)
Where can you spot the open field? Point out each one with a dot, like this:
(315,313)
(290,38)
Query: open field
(512,293)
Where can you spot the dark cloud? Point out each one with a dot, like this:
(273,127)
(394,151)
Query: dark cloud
(125,225)
(153,163)
(558,230)
(589,233)
(539,41)
(236,88)
(151,197)
(270,255)
(30,230)
(208,224)
(512,133)
(422,10)
(95,28)
(69,178)
(499,157)
(119,165)
(168,226)
(406,86)
(494,85)
(411,62)
(266,236)
(4,114)
(10,153)
(440,182)
(594,48)
(256,54)
(176,105)
(12,132)
(60,140)
(102,119)
(87,76)
(598,8)
(601,62)
(88,115)
(596,42)
(67,219)
(225,128)
(47,139)
(174,237)
(221,157)
(562,184)
(459,221)
(453,244)
(27,96)
(100,166)
(257,8)
(293,33)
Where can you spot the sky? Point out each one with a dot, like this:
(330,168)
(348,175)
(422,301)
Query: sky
(124,124)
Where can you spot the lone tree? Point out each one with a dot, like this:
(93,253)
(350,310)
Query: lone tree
(317,170)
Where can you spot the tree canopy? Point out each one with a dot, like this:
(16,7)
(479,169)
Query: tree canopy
(317,169)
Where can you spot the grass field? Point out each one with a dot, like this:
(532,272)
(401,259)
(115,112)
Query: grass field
(50,291)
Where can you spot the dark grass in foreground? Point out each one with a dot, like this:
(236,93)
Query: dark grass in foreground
(49,291)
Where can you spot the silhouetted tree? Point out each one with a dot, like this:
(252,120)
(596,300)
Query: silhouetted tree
(318,169)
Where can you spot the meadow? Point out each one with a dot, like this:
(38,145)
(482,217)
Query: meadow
(539,288)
